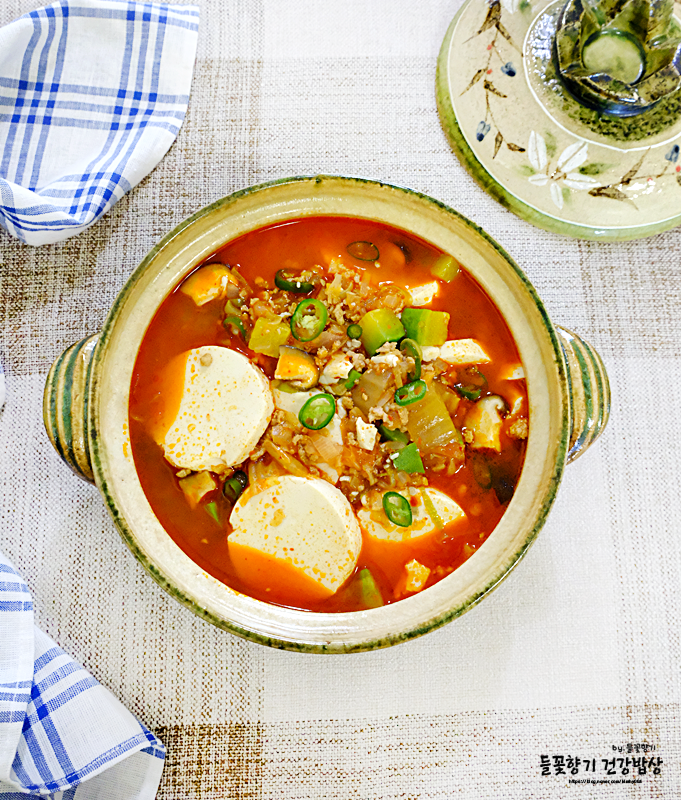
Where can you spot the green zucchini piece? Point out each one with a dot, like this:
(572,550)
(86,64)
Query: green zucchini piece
(446,268)
(427,327)
(378,327)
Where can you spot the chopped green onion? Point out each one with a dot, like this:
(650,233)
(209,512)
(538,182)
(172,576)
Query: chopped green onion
(318,411)
(363,251)
(410,393)
(409,459)
(354,331)
(446,268)
(469,392)
(290,284)
(353,377)
(397,509)
(371,594)
(471,384)
(391,435)
(432,511)
(309,320)
(411,348)
(236,324)
(234,486)
(212,509)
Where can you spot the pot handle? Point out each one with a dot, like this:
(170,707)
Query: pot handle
(65,406)
(588,389)
(65,400)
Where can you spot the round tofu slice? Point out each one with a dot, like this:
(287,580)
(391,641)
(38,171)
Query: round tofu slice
(225,406)
(376,524)
(294,537)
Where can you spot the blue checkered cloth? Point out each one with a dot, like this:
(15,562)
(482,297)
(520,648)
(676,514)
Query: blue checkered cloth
(92,95)
(62,734)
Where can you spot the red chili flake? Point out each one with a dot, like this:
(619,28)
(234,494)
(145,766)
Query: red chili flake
(489,46)
(414,501)
(489,71)
(678,169)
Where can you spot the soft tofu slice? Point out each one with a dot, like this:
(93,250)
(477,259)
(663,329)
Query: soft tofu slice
(304,524)
(423,295)
(375,523)
(463,351)
(225,407)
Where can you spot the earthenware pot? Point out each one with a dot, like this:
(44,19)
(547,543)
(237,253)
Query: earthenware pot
(88,388)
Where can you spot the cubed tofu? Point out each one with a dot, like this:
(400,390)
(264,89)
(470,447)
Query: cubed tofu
(417,576)
(225,405)
(512,372)
(430,353)
(303,528)
(208,283)
(336,369)
(196,486)
(391,359)
(366,434)
(461,352)
(484,421)
(423,295)
(376,524)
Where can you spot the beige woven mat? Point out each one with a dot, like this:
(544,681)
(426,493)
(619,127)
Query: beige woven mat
(576,653)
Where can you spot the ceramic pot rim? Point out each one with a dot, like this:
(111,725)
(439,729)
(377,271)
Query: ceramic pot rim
(337,632)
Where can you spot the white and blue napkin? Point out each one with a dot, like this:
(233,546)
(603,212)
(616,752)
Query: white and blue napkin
(62,734)
(92,95)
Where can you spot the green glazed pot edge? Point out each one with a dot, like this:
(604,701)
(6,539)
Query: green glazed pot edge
(126,531)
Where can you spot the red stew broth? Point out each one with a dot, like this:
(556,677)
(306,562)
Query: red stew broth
(179,325)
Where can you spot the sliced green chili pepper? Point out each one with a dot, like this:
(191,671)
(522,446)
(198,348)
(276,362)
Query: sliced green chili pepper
(353,377)
(234,486)
(397,509)
(212,509)
(412,348)
(364,251)
(393,435)
(237,326)
(409,460)
(471,383)
(290,284)
(410,393)
(318,411)
(309,320)
(354,331)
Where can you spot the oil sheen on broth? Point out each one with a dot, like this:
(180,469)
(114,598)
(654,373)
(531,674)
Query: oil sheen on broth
(328,414)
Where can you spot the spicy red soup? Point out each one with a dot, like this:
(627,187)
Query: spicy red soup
(328,414)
